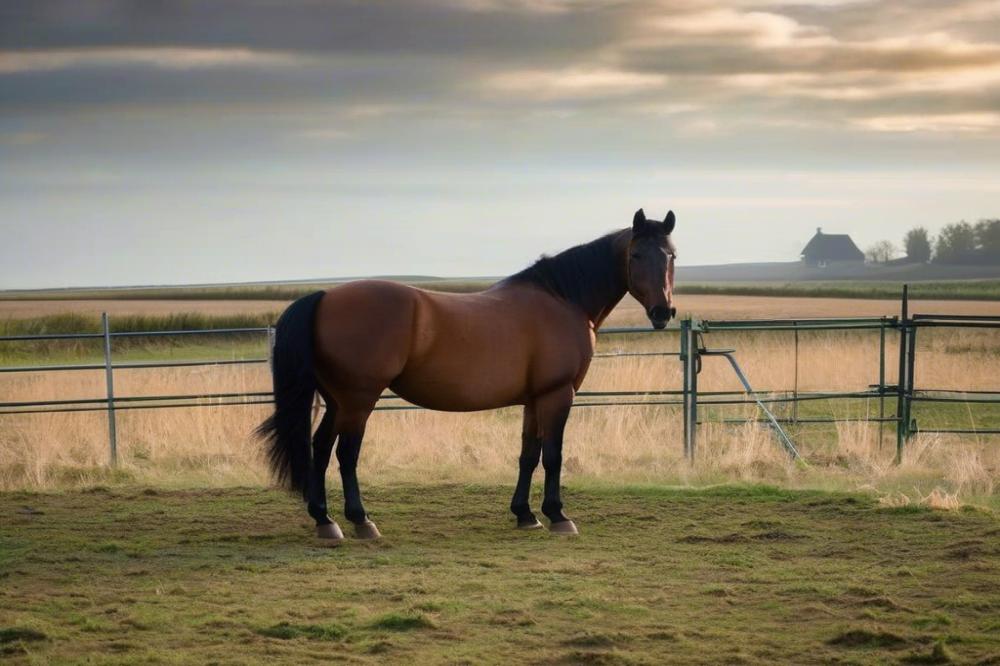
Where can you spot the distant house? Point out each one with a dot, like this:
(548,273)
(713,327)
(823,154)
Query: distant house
(825,249)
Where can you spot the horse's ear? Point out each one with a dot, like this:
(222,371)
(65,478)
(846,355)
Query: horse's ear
(639,221)
(668,223)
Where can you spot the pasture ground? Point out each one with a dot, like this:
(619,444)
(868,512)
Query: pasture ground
(734,574)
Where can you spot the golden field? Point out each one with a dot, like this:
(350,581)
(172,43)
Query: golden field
(211,445)
(628,313)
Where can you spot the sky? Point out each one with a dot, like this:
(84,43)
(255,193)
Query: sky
(162,142)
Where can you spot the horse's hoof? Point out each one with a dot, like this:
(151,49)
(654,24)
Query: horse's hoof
(366,530)
(330,535)
(531,524)
(564,528)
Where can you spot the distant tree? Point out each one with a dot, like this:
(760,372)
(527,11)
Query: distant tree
(917,244)
(956,244)
(880,253)
(988,241)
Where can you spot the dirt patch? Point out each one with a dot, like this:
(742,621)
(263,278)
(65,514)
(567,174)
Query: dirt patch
(861,638)
(13,640)
(776,535)
(288,631)
(734,537)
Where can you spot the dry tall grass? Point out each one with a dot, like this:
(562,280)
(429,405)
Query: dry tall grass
(705,306)
(211,445)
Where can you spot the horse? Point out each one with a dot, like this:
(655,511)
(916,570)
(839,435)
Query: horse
(528,340)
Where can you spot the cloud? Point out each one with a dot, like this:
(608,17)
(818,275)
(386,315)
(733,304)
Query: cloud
(535,6)
(574,82)
(955,122)
(762,29)
(43,60)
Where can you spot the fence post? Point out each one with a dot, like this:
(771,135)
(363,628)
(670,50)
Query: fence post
(689,357)
(109,375)
(881,383)
(902,426)
(270,347)
(795,389)
(911,359)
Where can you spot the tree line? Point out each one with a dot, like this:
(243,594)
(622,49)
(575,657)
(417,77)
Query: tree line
(958,243)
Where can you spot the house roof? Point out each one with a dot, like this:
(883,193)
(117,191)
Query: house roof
(832,247)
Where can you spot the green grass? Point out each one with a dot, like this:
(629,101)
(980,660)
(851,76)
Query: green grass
(72,322)
(725,574)
(965,290)
(187,347)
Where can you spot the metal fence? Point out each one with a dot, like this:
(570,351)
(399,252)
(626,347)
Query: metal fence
(905,391)
(692,352)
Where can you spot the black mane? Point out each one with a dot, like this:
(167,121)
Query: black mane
(586,275)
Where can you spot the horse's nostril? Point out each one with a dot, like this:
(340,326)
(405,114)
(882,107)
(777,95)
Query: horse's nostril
(659,313)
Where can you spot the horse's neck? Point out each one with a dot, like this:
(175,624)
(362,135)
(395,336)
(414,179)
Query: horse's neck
(619,286)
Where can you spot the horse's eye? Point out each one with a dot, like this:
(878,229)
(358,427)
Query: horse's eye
(635,255)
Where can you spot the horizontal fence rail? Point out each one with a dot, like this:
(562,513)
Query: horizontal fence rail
(691,354)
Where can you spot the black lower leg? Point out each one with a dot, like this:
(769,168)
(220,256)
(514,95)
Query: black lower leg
(322,447)
(348,450)
(531,450)
(552,462)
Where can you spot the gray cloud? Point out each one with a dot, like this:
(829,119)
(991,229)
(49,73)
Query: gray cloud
(481,54)
(340,26)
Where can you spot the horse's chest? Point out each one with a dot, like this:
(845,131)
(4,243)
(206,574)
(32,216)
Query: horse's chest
(584,366)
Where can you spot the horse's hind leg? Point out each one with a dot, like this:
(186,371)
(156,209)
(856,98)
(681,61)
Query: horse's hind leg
(350,426)
(322,445)
(531,451)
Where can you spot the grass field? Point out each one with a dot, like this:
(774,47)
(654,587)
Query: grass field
(34,317)
(720,575)
(986,289)
(973,290)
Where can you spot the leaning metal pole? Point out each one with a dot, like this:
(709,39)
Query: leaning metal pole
(785,441)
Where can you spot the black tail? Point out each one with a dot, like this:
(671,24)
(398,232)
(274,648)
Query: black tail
(289,430)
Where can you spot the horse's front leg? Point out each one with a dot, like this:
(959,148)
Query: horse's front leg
(552,410)
(531,451)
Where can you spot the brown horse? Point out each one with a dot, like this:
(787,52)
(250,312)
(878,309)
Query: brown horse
(527,340)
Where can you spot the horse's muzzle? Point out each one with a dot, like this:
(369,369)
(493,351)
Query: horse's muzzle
(660,315)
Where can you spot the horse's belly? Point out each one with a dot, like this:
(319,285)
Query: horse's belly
(461,393)
(487,351)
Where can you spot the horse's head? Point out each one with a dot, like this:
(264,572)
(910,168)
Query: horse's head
(651,255)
